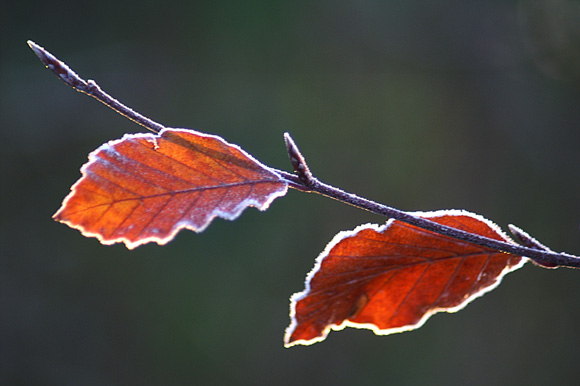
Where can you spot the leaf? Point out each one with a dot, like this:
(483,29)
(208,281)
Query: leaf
(146,187)
(392,278)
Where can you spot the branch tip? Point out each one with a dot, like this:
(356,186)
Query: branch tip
(298,162)
(527,240)
(58,67)
(530,242)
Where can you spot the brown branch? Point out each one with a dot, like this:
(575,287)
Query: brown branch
(303,179)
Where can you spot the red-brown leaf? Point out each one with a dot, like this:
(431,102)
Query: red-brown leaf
(146,187)
(393,278)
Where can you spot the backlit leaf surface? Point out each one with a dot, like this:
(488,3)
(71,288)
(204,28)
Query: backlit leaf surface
(146,187)
(392,278)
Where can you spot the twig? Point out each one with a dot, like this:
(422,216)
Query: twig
(303,179)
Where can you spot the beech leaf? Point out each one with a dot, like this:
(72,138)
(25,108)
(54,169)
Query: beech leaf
(392,278)
(146,187)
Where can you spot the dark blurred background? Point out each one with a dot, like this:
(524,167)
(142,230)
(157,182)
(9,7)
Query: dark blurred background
(420,105)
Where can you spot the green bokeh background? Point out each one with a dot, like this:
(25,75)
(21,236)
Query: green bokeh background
(420,105)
